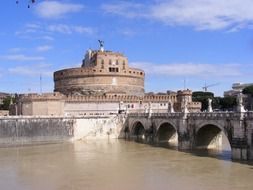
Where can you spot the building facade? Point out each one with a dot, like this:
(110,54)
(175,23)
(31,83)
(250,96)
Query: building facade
(102,72)
(237,88)
(103,85)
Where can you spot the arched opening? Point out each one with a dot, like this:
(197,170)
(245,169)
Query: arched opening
(167,134)
(138,131)
(213,139)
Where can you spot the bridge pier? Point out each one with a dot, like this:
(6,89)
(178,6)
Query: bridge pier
(239,145)
(184,140)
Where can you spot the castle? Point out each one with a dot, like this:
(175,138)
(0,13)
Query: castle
(103,85)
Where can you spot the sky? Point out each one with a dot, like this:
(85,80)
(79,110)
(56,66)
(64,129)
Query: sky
(179,43)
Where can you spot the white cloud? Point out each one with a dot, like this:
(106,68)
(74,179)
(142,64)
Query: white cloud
(190,69)
(231,15)
(56,9)
(33,25)
(43,48)
(46,37)
(32,70)
(1,72)
(46,31)
(69,29)
(21,57)
(126,9)
(61,28)
(15,50)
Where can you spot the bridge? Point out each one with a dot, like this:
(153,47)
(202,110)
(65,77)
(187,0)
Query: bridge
(203,130)
(187,131)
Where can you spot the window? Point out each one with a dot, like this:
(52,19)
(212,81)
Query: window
(112,69)
(110,62)
(102,64)
(124,65)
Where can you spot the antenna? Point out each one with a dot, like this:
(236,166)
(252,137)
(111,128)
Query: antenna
(184,83)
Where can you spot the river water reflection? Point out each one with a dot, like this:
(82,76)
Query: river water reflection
(117,164)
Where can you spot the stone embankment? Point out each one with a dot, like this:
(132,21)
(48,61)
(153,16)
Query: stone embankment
(38,130)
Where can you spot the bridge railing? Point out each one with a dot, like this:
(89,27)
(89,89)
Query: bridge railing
(213,114)
(175,114)
(195,115)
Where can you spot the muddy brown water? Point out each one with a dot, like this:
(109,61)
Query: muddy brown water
(118,164)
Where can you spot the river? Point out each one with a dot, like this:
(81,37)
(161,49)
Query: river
(118,164)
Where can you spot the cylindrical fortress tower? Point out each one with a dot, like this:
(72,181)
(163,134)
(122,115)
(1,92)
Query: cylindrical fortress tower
(102,72)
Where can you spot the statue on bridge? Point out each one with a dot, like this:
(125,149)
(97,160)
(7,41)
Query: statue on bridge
(209,109)
(170,107)
(240,107)
(149,110)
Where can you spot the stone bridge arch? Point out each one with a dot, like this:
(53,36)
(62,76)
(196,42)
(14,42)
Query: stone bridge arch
(137,130)
(166,132)
(212,135)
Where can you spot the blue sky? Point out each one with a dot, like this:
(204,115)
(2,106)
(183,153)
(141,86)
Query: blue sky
(196,41)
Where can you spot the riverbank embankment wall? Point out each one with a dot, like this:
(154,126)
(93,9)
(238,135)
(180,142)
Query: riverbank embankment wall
(36,130)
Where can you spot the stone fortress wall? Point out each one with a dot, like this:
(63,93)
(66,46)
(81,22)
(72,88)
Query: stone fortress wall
(57,104)
(101,72)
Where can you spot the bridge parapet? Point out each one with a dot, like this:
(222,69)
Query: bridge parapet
(157,115)
(215,115)
(199,115)
(168,115)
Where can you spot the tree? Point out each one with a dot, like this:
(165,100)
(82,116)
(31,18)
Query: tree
(220,103)
(202,97)
(228,103)
(248,90)
(6,103)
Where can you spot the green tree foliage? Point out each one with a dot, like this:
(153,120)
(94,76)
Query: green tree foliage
(228,103)
(220,103)
(202,97)
(248,90)
(6,103)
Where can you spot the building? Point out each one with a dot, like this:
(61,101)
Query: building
(103,85)
(237,88)
(102,72)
